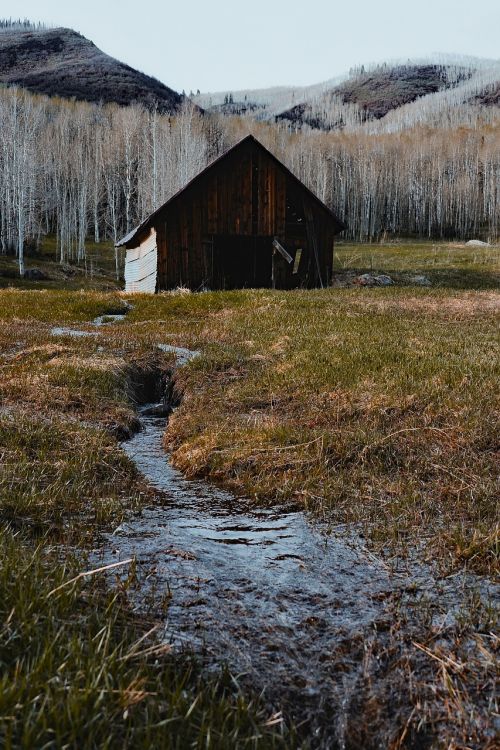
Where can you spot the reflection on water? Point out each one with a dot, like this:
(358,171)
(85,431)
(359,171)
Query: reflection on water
(261,589)
(74,332)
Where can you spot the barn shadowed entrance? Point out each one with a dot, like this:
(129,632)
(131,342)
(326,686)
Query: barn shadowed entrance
(240,262)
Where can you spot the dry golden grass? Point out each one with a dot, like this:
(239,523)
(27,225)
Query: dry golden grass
(371,406)
(377,407)
(454,307)
(71,671)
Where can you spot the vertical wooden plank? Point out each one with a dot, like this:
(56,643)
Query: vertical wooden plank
(178,270)
(280,207)
(195,260)
(271,191)
(270,187)
(274,215)
(235,197)
(312,239)
(268,197)
(188,240)
(255,192)
(220,203)
(212,205)
(168,248)
(246,193)
(225,203)
(262,197)
(199,270)
(242,193)
(170,223)
(230,208)
(162,249)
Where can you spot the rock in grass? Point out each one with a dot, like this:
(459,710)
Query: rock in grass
(420,281)
(365,279)
(158,410)
(68,270)
(36,274)
(383,280)
(369,279)
(477,243)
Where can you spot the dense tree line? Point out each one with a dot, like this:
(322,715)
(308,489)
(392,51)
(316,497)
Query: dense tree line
(79,170)
(19,24)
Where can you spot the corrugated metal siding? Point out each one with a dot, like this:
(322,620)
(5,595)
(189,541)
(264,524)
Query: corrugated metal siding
(141,266)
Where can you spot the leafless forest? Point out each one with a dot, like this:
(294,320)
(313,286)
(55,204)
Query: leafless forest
(80,170)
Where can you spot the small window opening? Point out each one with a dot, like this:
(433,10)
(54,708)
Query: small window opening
(296,262)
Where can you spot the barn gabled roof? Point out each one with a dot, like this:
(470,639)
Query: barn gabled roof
(249,138)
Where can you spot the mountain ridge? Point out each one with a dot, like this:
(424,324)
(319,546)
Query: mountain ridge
(58,61)
(61,62)
(370,95)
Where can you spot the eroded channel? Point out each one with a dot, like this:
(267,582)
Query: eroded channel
(294,611)
(246,584)
(264,591)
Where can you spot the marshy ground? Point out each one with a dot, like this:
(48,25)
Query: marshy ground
(373,410)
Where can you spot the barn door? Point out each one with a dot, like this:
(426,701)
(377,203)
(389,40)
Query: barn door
(282,266)
(241,262)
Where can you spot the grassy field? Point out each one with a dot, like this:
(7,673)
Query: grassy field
(451,265)
(75,667)
(377,407)
(96,272)
(374,407)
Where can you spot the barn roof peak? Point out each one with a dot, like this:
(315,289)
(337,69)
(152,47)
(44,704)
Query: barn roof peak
(247,138)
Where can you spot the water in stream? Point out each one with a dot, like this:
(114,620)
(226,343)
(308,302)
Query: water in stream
(259,589)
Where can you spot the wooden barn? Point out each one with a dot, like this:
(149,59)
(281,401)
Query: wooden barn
(244,221)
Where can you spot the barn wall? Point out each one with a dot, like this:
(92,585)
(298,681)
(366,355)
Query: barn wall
(244,196)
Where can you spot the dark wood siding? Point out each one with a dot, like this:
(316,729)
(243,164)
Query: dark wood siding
(219,231)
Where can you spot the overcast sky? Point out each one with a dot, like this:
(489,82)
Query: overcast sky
(219,45)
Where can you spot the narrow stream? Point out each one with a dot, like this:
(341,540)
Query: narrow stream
(261,590)
(264,576)
(290,609)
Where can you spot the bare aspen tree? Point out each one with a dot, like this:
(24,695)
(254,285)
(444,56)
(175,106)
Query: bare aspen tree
(430,168)
(23,121)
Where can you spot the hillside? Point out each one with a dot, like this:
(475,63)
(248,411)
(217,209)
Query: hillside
(384,89)
(490,97)
(61,62)
(374,95)
(379,92)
